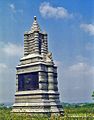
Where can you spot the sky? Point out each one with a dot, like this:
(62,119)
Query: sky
(70,28)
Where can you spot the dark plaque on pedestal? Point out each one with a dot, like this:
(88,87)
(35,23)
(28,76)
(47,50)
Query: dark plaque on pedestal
(28,81)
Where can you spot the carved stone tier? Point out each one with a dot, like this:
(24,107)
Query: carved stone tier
(37,102)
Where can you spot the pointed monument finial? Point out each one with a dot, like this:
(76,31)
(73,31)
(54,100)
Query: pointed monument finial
(35,18)
(35,26)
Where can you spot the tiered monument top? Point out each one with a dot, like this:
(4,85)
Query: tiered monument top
(36,44)
(35,26)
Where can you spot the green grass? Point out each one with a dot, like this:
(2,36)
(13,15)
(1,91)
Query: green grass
(85,112)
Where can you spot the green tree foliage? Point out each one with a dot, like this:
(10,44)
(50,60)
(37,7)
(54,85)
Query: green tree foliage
(93,95)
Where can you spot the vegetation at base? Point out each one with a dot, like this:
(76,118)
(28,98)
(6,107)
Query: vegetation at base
(72,112)
(93,95)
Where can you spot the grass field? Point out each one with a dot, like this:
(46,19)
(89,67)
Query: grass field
(72,112)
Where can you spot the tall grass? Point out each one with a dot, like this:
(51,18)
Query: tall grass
(70,114)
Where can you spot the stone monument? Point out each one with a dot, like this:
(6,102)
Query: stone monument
(36,76)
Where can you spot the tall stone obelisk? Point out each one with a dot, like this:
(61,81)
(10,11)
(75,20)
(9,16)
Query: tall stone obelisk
(36,77)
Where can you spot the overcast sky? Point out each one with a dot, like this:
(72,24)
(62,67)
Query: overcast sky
(70,28)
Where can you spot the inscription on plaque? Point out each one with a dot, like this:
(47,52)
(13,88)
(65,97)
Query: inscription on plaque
(28,81)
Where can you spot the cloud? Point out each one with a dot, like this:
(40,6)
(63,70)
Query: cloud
(81,58)
(76,82)
(11,49)
(12,7)
(58,63)
(9,58)
(81,69)
(7,83)
(49,11)
(89,46)
(3,67)
(14,10)
(88,28)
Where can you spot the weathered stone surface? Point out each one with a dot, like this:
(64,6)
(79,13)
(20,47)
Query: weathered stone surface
(45,97)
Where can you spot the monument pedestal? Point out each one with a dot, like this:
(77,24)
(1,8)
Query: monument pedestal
(37,102)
